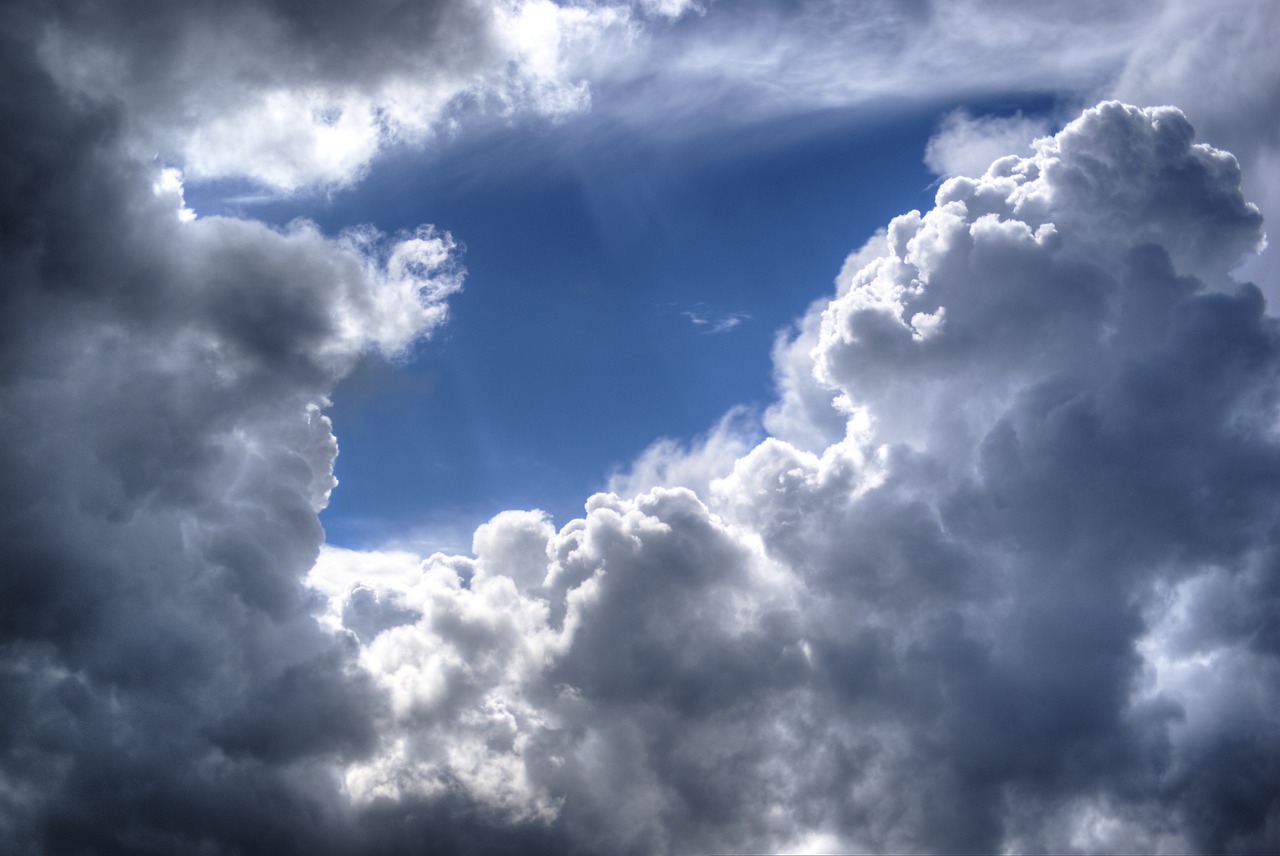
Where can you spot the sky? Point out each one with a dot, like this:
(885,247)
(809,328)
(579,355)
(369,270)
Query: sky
(652,277)
(653,427)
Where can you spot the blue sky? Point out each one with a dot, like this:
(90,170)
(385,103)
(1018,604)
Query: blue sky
(570,350)
(588,249)
(789,426)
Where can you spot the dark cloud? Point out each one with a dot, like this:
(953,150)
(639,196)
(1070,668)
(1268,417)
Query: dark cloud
(165,686)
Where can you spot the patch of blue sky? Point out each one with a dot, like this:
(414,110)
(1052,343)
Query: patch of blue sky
(597,261)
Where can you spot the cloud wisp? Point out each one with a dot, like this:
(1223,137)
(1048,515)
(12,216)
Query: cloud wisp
(711,322)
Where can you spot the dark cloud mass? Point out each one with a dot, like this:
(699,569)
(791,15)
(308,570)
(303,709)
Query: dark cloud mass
(165,688)
(1027,600)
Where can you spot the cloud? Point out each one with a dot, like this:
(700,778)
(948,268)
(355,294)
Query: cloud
(990,614)
(162,379)
(967,145)
(1003,578)
(294,96)
(763,59)
(1218,68)
(670,463)
(752,61)
(711,323)
(1215,64)
(806,414)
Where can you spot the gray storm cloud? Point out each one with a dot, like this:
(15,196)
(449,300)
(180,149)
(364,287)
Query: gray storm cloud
(165,687)
(1015,589)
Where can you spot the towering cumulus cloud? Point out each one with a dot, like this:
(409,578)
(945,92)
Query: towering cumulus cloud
(1026,602)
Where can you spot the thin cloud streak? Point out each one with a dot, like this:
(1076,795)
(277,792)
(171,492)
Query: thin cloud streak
(715,323)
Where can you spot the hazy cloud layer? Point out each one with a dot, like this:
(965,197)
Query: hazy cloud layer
(1216,63)
(1026,601)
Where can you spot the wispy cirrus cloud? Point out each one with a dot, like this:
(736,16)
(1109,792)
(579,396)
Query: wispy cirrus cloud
(711,322)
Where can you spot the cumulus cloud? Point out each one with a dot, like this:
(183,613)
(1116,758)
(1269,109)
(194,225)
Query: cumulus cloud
(1024,601)
(166,687)
(1220,69)
(1215,63)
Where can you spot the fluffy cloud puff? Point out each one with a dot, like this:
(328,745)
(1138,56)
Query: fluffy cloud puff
(1215,63)
(1025,601)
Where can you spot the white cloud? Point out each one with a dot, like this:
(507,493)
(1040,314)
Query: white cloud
(965,145)
(287,139)
(761,59)
(168,185)
(1215,63)
(1218,64)
(670,463)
